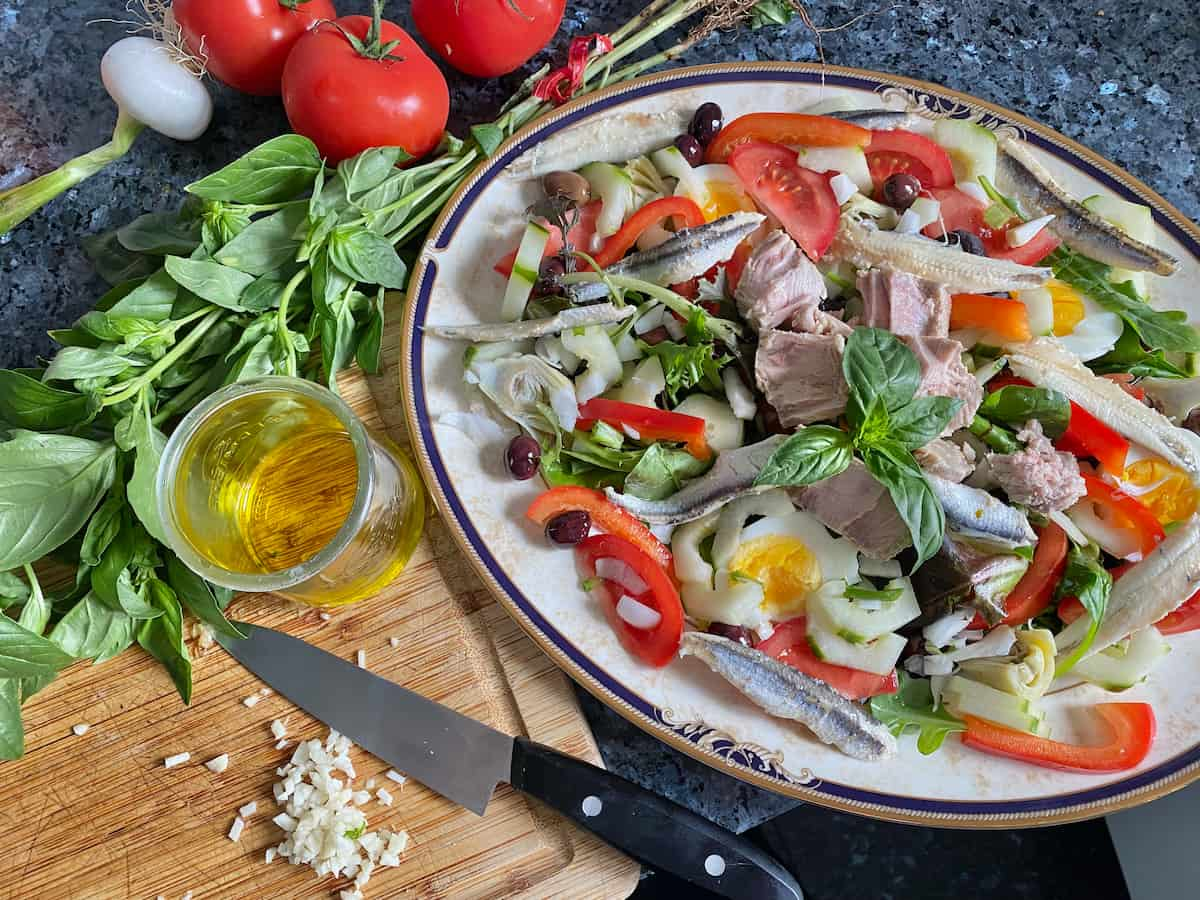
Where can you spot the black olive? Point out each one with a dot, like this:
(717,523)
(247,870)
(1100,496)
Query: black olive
(900,190)
(522,457)
(567,184)
(1192,421)
(569,527)
(549,273)
(706,123)
(832,304)
(970,242)
(733,632)
(691,149)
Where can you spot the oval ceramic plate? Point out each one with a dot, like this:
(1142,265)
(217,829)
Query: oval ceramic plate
(684,704)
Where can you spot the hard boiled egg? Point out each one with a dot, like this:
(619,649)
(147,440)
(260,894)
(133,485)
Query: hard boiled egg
(716,190)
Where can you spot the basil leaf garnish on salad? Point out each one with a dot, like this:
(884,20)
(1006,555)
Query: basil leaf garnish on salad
(810,455)
(1016,404)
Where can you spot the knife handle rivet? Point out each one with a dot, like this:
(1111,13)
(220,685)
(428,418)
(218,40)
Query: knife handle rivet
(714,865)
(592,806)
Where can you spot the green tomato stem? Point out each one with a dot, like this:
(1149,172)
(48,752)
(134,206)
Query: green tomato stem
(19,203)
(123,392)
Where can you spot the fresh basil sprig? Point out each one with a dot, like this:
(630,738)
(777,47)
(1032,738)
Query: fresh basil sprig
(1088,581)
(810,455)
(1015,404)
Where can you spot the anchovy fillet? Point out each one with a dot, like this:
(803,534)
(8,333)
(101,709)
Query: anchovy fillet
(612,138)
(689,253)
(575,317)
(866,246)
(790,694)
(1080,229)
(1151,589)
(876,119)
(1046,363)
(731,476)
(977,515)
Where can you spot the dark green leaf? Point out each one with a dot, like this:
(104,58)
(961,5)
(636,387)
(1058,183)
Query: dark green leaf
(1130,357)
(810,455)
(894,467)
(72,337)
(879,368)
(102,528)
(132,600)
(143,498)
(911,707)
(1087,580)
(488,137)
(12,733)
(328,284)
(771,12)
(922,419)
(75,363)
(113,262)
(254,362)
(367,257)
(162,638)
(263,294)
(268,244)
(198,596)
(337,343)
(368,169)
(93,630)
(688,366)
(24,654)
(272,172)
(661,472)
(160,233)
(113,563)
(28,403)
(13,589)
(210,280)
(1015,405)
(49,486)
(370,341)
(151,300)
(35,614)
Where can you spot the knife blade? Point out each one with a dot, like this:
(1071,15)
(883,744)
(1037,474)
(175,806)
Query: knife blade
(464,760)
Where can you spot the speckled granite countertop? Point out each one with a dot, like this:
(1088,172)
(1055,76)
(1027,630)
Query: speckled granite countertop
(1122,78)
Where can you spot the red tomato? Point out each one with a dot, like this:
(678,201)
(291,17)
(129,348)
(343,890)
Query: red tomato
(959,211)
(785,128)
(487,38)
(346,102)
(1186,617)
(655,646)
(799,198)
(1043,244)
(737,262)
(606,516)
(905,151)
(245,43)
(789,644)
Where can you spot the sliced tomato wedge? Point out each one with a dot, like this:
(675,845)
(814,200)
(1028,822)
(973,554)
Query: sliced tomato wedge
(655,646)
(606,516)
(958,211)
(785,128)
(1186,617)
(580,234)
(1138,519)
(789,644)
(1030,253)
(799,198)
(649,422)
(1030,597)
(1132,727)
(898,150)
(733,269)
(1007,318)
(683,209)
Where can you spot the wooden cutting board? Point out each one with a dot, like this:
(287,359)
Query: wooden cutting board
(98,816)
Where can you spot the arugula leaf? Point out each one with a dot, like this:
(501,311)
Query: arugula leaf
(810,455)
(587,450)
(12,732)
(661,472)
(559,469)
(688,366)
(162,637)
(24,654)
(922,419)
(879,369)
(93,630)
(200,599)
(274,171)
(1016,404)
(28,403)
(1129,356)
(1159,330)
(911,707)
(893,466)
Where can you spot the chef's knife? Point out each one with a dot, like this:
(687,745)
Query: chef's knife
(464,760)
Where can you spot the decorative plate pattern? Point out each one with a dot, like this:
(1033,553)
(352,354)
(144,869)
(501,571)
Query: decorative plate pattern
(685,705)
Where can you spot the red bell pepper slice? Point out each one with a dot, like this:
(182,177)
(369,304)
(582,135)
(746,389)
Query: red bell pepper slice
(785,128)
(1031,595)
(1132,726)
(1138,518)
(789,644)
(737,262)
(650,423)
(654,646)
(1186,617)
(650,214)
(606,516)
(580,236)
(1008,318)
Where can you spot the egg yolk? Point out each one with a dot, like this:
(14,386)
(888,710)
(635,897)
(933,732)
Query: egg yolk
(1068,307)
(723,199)
(784,566)
(1173,498)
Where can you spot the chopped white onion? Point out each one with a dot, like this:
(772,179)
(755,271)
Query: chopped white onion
(910,222)
(741,400)
(248,810)
(1114,540)
(80,729)
(1025,232)
(927,210)
(218,764)
(384,796)
(663,532)
(278,729)
(632,432)
(997,642)
(235,830)
(941,631)
(252,700)
(621,573)
(566,406)
(651,320)
(1063,521)
(395,776)
(637,615)
(843,187)
(393,642)
(936,665)
(360,658)
(178,759)
(674,328)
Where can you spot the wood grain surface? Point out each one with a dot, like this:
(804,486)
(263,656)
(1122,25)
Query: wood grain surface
(99,816)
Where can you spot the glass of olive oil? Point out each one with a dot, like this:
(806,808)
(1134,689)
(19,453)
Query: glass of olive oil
(275,485)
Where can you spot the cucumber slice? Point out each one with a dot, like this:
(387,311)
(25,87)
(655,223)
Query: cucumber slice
(595,347)
(734,603)
(1135,220)
(850,161)
(964,697)
(1118,668)
(722,429)
(1039,308)
(831,611)
(614,187)
(524,272)
(972,148)
(878,656)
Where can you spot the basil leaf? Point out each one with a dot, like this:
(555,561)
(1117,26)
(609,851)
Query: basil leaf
(36,613)
(162,638)
(1088,581)
(255,362)
(160,233)
(808,456)
(922,419)
(328,284)
(151,300)
(113,562)
(1015,405)
(264,293)
(268,244)
(894,467)
(131,601)
(386,193)
(367,257)
(272,172)
(209,280)
(113,262)
(1128,356)
(73,337)
(93,630)
(102,529)
(488,137)
(1159,330)
(49,486)
(911,707)
(337,342)
(661,472)
(24,654)
(370,341)
(76,363)
(28,403)
(368,169)
(13,589)
(149,443)
(879,368)
(197,595)
(12,732)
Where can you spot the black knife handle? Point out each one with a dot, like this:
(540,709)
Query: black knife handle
(653,830)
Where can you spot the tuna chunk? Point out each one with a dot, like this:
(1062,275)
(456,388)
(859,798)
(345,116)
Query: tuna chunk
(858,508)
(944,375)
(801,376)
(946,460)
(904,304)
(778,285)
(1039,476)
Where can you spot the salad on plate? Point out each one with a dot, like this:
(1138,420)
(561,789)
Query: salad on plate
(864,410)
